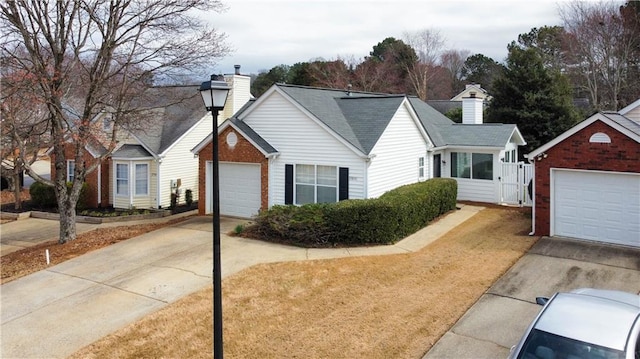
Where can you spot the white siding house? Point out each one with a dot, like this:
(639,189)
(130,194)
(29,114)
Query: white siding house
(399,156)
(325,145)
(178,163)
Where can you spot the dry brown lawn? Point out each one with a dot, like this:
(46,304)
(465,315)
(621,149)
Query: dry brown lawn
(394,306)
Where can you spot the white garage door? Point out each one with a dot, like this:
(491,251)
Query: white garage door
(597,206)
(239,189)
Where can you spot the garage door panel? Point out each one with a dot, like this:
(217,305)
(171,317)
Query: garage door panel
(240,189)
(597,205)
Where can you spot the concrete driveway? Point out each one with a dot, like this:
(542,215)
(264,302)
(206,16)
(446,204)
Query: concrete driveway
(55,312)
(497,321)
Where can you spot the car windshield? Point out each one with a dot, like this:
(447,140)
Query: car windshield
(543,345)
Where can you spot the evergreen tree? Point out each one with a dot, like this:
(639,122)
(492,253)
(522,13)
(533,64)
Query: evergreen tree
(536,98)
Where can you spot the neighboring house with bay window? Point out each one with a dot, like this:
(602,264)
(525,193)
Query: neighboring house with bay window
(298,145)
(153,160)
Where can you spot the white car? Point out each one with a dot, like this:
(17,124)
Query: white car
(583,324)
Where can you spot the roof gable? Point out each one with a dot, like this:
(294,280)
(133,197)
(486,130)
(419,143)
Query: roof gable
(130,151)
(357,119)
(245,131)
(615,120)
(368,117)
(165,124)
(472,88)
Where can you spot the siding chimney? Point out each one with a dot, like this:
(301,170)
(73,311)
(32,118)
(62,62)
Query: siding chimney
(472,109)
(239,95)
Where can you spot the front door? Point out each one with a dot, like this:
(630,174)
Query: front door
(437,162)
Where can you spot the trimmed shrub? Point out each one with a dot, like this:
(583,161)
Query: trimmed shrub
(188,197)
(304,225)
(361,222)
(393,216)
(42,195)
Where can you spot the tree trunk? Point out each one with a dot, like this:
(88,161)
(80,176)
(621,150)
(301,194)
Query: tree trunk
(67,222)
(17,190)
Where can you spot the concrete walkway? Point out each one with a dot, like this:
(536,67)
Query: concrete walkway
(55,312)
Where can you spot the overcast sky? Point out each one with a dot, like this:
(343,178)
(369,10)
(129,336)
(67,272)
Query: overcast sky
(266,33)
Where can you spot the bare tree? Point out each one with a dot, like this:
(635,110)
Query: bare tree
(428,45)
(453,61)
(96,56)
(602,48)
(24,127)
(332,74)
(372,76)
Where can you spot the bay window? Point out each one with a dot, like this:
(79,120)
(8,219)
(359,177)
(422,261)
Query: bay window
(142,179)
(122,179)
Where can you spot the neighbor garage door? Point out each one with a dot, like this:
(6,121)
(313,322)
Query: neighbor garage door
(239,189)
(598,206)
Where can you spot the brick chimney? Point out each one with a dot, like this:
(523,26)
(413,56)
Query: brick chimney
(472,107)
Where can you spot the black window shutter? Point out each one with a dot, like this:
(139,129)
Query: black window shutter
(288,184)
(343,184)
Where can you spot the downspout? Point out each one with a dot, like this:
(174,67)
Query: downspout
(158,162)
(270,188)
(365,172)
(100,184)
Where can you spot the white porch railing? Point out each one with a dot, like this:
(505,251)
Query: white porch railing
(514,183)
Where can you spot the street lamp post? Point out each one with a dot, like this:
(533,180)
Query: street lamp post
(214,94)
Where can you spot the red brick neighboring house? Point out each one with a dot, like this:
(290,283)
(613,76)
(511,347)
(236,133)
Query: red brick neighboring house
(587,180)
(97,181)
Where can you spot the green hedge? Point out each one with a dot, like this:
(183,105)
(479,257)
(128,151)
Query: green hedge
(386,219)
(44,196)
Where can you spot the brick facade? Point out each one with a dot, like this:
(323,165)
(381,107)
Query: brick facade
(576,152)
(92,178)
(242,152)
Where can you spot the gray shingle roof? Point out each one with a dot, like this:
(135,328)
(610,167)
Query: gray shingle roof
(360,118)
(444,106)
(256,138)
(624,121)
(485,135)
(331,107)
(164,124)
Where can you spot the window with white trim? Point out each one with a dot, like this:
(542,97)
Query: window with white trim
(71,168)
(472,165)
(420,167)
(316,184)
(122,179)
(142,179)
